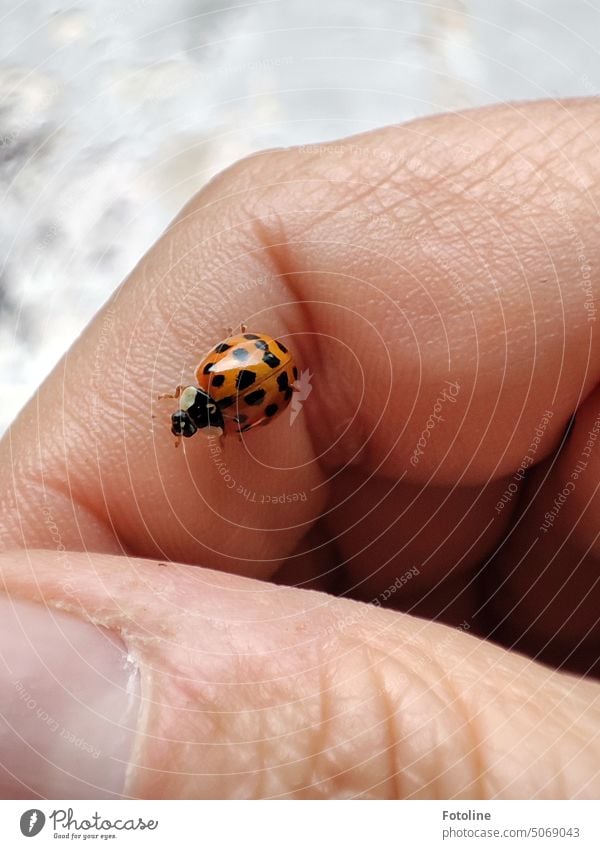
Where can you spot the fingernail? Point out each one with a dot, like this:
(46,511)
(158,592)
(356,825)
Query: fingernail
(69,702)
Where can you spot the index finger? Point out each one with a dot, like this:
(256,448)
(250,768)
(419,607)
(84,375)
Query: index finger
(395,263)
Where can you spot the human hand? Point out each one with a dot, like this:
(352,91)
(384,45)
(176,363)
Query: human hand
(458,251)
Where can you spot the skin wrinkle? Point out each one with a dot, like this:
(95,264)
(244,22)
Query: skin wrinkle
(320,736)
(376,660)
(423,776)
(536,178)
(344,768)
(223,730)
(393,740)
(276,241)
(99,534)
(485,740)
(458,720)
(296,284)
(299,766)
(475,749)
(263,766)
(304,742)
(555,692)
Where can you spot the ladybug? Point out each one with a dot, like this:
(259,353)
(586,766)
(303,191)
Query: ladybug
(243,382)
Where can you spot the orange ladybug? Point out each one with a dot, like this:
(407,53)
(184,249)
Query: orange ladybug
(243,382)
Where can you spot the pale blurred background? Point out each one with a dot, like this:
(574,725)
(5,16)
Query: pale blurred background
(112,114)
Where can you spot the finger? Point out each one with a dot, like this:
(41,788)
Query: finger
(254,691)
(438,303)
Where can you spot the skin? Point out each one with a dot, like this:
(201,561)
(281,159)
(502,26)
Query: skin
(448,252)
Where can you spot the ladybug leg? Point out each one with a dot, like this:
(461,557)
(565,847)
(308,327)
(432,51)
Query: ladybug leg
(229,330)
(173,395)
(246,428)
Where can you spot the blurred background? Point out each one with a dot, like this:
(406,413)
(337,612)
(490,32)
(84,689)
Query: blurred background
(113,113)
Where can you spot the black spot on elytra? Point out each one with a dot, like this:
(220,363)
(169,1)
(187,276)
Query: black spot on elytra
(217,380)
(271,410)
(271,360)
(207,368)
(226,402)
(283,381)
(222,347)
(295,371)
(251,336)
(261,344)
(288,393)
(241,354)
(255,397)
(244,379)
(281,346)
(241,418)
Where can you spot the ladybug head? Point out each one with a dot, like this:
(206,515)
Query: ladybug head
(197,411)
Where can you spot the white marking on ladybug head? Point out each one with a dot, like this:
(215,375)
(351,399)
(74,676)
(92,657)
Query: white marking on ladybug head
(211,432)
(187,397)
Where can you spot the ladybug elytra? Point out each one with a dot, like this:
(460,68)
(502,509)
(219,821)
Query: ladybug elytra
(243,382)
